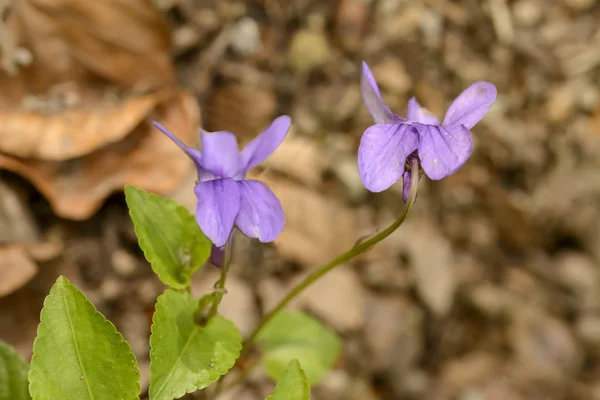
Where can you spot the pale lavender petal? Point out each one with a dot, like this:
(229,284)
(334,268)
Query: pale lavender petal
(443,149)
(372,98)
(266,143)
(218,206)
(471,105)
(220,154)
(261,215)
(193,153)
(382,154)
(416,113)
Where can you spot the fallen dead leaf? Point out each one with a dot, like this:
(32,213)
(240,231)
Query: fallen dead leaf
(323,299)
(431,259)
(124,41)
(73,132)
(146,158)
(16,269)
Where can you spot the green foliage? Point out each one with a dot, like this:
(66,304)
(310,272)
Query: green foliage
(13,374)
(295,335)
(293,385)
(184,356)
(169,235)
(78,354)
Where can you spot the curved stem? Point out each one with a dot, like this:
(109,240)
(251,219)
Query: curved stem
(220,284)
(359,248)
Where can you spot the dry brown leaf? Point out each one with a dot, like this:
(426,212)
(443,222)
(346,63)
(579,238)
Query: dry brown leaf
(323,299)
(124,41)
(16,269)
(432,262)
(146,158)
(309,161)
(73,132)
(317,228)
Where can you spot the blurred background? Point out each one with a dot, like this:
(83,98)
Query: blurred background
(490,291)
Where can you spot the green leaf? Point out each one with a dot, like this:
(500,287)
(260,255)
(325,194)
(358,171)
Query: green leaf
(184,356)
(293,385)
(78,354)
(296,335)
(13,374)
(169,235)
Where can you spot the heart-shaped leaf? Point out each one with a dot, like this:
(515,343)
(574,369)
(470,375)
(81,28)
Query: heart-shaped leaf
(185,356)
(78,354)
(169,235)
(295,335)
(293,385)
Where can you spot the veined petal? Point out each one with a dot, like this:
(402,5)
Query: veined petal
(471,105)
(416,113)
(220,154)
(382,154)
(261,215)
(372,98)
(266,143)
(443,149)
(193,153)
(218,206)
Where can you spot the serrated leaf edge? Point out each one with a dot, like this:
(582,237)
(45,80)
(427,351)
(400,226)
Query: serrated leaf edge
(120,340)
(170,204)
(221,371)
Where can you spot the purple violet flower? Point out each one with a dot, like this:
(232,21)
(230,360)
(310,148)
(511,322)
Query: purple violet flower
(442,148)
(225,197)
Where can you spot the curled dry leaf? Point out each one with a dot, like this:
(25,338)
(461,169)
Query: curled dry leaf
(123,41)
(16,269)
(75,131)
(146,158)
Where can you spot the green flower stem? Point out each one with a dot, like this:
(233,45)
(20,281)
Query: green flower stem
(358,248)
(219,289)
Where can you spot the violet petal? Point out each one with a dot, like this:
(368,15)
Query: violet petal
(471,105)
(220,154)
(382,154)
(217,255)
(218,206)
(372,98)
(443,149)
(266,143)
(193,153)
(416,113)
(261,215)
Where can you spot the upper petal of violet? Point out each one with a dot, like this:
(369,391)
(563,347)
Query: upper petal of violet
(471,105)
(220,154)
(372,98)
(443,149)
(193,153)
(266,143)
(416,113)
(382,154)
(218,206)
(261,215)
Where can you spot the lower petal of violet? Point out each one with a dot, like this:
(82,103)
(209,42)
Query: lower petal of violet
(217,209)
(443,149)
(382,153)
(261,215)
